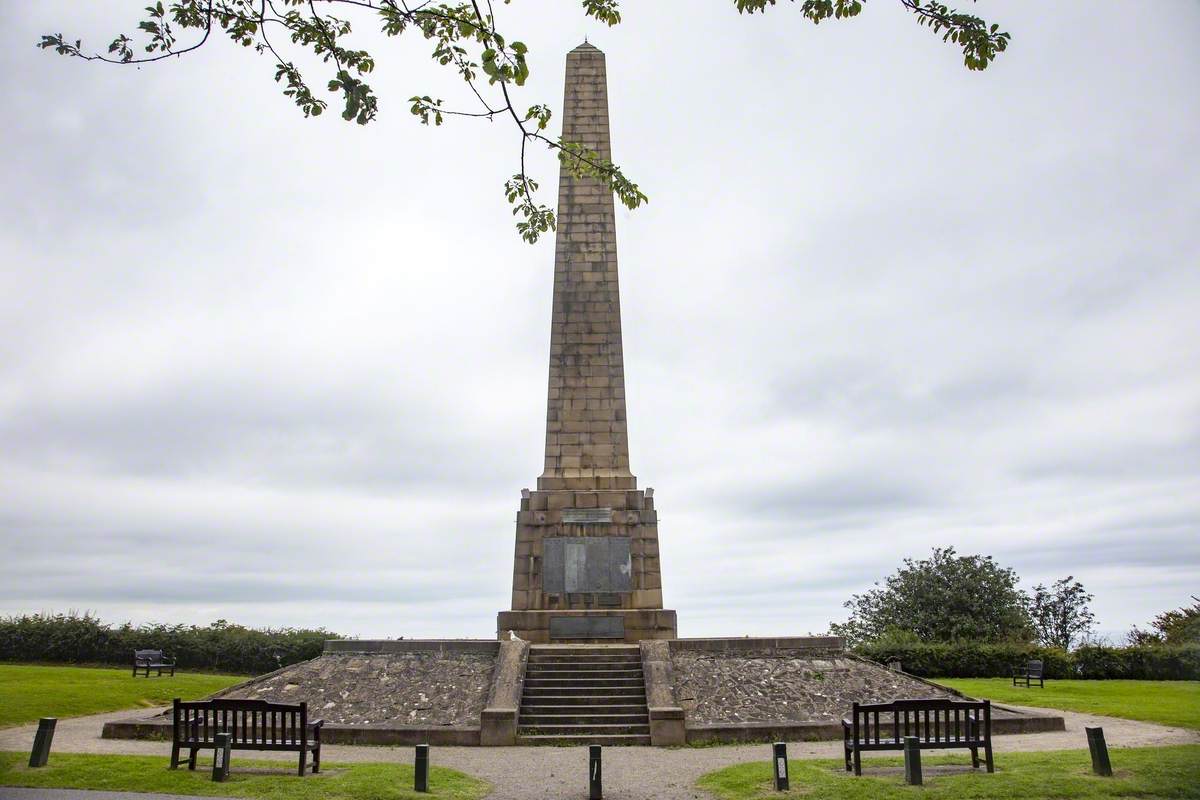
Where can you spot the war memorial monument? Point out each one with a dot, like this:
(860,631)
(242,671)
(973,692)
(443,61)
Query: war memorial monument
(586,653)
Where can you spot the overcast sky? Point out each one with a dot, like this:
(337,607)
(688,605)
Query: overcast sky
(292,372)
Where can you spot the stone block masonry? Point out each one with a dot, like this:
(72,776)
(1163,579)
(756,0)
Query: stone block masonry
(587,443)
(565,588)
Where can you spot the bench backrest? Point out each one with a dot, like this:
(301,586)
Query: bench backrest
(248,720)
(928,718)
(147,655)
(1034,669)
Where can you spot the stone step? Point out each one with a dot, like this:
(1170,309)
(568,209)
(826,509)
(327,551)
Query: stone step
(583,699)
(604,739)
(583,708)
(538,719)
(584,650)
(558,663)
(583,730)
(584,680)
(586,691)
(562,672)
(593,658)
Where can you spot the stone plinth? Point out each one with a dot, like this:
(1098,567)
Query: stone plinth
(636,625)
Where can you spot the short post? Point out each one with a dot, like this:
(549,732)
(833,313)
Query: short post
(421,769)
(220,769)
(595,777)
(894,666)
(1100,763)
(780,766)
(912,761)
(41,741)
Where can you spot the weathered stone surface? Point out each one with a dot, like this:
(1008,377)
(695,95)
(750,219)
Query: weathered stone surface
(417,688)
(783,685)
(586,490)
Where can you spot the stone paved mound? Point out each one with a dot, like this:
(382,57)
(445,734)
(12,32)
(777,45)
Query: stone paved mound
(783,685)
(398,688)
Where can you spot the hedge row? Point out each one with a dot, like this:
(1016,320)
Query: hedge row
(222,647)
(970,660)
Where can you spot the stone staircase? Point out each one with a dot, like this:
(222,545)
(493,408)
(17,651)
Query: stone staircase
(584,694)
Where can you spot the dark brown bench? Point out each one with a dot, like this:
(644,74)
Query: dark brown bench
(253,725)
(146,660)
(936,722)
(1032,671)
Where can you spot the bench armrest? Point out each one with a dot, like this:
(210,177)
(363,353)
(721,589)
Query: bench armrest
(316,724)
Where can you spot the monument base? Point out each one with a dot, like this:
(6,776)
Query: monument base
(595,626)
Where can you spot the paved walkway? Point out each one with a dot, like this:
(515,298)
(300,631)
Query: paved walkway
(560,773)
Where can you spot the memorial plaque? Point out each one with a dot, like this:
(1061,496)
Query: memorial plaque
(587,627)
(587,516)
(586,564)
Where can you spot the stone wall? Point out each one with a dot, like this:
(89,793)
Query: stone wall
(424,688)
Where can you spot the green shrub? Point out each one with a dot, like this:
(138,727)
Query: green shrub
(979,660)
(84,639)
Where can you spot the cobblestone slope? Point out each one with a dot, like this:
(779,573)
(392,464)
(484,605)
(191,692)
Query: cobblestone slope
(396,688)
(783,686)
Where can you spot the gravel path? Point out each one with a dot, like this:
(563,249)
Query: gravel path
(18,793)
(630,773)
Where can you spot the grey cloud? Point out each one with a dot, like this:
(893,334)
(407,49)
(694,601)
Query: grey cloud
(846,495)
(1135,461)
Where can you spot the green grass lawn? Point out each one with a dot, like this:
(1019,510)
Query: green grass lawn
(1147,772)
(276,780)
(28,692)
(1166,702)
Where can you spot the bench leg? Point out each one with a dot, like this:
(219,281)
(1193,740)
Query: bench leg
(303,759)
(174,756)
(857,762)
(192,758)
(987,753)
(846,754)
(974,758)
(317,759)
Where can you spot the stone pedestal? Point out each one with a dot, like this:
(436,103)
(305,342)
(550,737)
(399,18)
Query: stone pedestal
(595,627)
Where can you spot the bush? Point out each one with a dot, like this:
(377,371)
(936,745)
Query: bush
(977,660)
(222,647)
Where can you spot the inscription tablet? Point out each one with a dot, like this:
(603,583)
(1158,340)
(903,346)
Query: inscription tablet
(587,627)
(586,564)
(587,516)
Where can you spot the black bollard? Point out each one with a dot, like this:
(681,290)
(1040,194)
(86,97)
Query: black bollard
(595,779)
(41,742)
(1100,763)
(421,769)
(220,769)
(779,766)
(912,761)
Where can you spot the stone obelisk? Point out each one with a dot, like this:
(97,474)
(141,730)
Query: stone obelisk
(586,566)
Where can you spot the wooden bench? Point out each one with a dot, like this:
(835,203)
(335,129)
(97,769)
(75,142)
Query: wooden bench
(1032,671)
(146,660)
(938,724)
(254,725)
